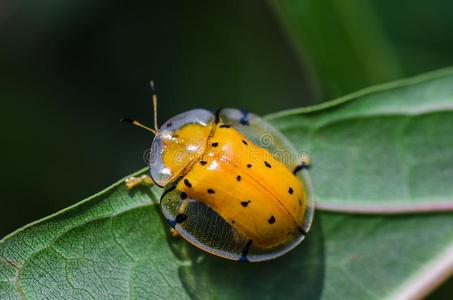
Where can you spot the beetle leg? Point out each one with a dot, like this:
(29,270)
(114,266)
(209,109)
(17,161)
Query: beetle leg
(306,160)
(304,164)
(174,233)
(182,208)
(132,182)
(181,211)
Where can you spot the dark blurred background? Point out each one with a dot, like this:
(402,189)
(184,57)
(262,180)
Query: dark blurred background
(70,69)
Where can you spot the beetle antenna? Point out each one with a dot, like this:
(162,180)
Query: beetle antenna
(153,90)
(138,124)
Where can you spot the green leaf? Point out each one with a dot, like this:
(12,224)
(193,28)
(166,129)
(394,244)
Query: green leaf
(385,149)
(117,245)
(335,39)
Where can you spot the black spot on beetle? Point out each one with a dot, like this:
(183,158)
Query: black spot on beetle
(249,166)
(267,164)
(211,191)
(271,220)
(187,183)
(300,202)
(245,142)
(203,162)
(225,126)
(238,178)
(180,218)
(245,203)
(290,190)
(215,144)
(233,221)
(183,196)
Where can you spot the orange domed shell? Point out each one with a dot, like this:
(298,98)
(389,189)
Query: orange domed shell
(235,186)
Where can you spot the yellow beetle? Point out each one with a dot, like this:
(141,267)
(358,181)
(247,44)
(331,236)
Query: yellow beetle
(234,186)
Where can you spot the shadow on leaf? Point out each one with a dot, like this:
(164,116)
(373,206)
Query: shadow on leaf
(299,273)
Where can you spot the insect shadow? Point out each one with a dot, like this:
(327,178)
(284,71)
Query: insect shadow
(297,274)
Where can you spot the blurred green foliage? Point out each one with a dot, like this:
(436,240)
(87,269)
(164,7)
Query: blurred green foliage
(341,42)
